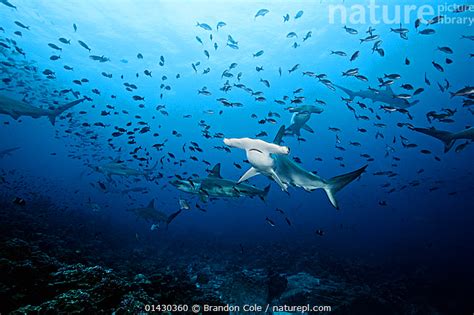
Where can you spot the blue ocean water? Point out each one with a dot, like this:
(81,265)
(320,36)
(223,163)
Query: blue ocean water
(409,212)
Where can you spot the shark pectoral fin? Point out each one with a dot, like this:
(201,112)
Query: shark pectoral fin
(52,118)
(283,186)
(250,173)
(307,128)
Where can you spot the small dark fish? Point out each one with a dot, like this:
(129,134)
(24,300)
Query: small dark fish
(21,24)
(351,30)
(84,45)
(54,46)
(261,12)
(437,66)
(19,201)
(204,26)
(258,53)
(427,81)
(8,4)
(65,41)
(220,25)
(320,232)
(270,222)
(418,91)
(355,55)
(446,50)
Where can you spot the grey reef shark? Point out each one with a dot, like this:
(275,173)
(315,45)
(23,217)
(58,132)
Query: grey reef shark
(215,186)
(116,168)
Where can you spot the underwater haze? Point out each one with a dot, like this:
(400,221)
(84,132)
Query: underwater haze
(195,156)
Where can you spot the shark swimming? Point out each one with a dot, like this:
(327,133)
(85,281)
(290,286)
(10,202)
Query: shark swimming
(301,116)
(151,215)
(116,168)
(216,186)
(448,138)
(385,96)
(291,174)
(8,152)
(16,109)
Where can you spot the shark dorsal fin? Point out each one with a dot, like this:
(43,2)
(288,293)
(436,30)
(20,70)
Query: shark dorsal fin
(151,204)
(388,88)
(216,171)
(279,135)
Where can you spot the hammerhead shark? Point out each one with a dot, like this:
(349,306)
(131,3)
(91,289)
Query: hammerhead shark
(271,160)
(385,96)
(216,186)
(301,115)
(120,169)
(448,138)
(150,214)
(16,109)
(7,152)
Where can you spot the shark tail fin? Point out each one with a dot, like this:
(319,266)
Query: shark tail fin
(52,118)
(264,194)
(61,109)
(445,136)
(337,183)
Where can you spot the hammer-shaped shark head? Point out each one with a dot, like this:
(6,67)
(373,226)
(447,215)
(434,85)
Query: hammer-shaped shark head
(256,144)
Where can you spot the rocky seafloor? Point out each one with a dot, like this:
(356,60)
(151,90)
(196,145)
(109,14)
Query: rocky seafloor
(54,261)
